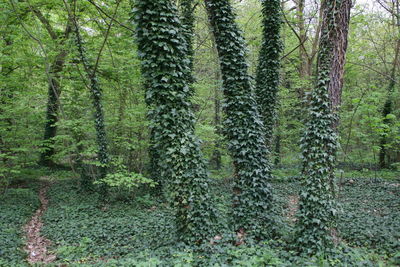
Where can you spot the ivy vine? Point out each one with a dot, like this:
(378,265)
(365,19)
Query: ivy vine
(96,94)
(267,76)
(165,67)
(187,8)
(243,126)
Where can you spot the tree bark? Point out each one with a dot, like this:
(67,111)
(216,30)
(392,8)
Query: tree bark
(319,142)
(338,37)
(53,104)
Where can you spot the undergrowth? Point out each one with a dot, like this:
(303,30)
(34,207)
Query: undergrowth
(17,205)
(140,231)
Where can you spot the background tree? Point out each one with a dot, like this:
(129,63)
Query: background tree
(96,94)
(54,89)
(387,110)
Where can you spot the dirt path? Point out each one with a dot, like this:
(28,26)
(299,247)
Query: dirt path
(36,245)
(293,205)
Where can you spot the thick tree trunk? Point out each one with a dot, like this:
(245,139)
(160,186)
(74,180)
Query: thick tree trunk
(338,37)
(180,162)
(50,128)
(319,143)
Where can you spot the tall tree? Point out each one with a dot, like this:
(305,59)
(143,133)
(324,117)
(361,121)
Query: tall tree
(267,78)
(165,67)
(54,88)
(96,94)
(243,125)
(319,143)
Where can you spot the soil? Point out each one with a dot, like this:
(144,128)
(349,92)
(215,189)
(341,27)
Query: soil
(293,206)
(36,244)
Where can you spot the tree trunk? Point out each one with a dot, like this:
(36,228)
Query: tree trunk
(243,126)
(50,128)
(319,143)
(96,93)
(267,76)
(165,69)
(54,89)
(338,37)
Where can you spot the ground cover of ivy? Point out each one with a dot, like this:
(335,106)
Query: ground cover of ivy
(17,205)
(140,232)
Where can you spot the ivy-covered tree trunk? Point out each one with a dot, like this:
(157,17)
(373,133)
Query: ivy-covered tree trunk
(243,126)
(96,94)
(316,215)
(267,78)
(187,9)
(165,68)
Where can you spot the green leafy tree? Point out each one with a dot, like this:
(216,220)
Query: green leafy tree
(388,107)
(54,87)
(243,125)
(165,68)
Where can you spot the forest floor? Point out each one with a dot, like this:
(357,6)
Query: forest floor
(36,244)
(56,222)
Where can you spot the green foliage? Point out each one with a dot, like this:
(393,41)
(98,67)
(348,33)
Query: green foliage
(188,23)
(267,78)
(17,206)
(165,69)
(368,219)
(122,179)
(252,201)
(86,233)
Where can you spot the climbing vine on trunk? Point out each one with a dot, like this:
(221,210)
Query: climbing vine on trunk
(165,67)
(243,126)
(267,78)
(96,93)
(187,8)
(317,208)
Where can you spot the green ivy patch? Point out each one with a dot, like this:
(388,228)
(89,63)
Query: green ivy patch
(17,206)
